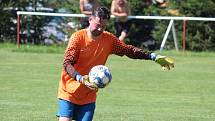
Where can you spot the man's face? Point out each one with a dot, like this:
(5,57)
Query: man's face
(97,25)
(121,2)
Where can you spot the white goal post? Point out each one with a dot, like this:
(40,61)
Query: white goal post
(170,26)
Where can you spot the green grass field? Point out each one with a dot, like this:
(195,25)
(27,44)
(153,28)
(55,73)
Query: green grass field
(140,90)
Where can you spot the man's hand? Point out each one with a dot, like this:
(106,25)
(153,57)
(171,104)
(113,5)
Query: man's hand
(85,80)
(165,62)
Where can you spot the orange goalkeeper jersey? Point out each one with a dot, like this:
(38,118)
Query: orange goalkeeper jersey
(83,54)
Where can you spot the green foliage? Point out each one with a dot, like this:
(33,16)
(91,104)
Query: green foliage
(200,35)
(136,7)
(71,5)
(5,21)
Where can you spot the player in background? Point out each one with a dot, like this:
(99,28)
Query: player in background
(86,7)
(87,48)
(120,9)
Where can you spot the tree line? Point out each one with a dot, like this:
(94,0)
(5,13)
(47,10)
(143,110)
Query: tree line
(144,33)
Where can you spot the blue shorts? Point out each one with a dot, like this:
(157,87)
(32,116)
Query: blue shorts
(76,112)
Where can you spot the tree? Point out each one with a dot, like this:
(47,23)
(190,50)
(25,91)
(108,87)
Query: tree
(200,34)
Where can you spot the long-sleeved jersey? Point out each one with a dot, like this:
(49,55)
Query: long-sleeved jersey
(83,53)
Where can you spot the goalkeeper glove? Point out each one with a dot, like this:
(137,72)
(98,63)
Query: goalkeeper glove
(164,61)
(85,80)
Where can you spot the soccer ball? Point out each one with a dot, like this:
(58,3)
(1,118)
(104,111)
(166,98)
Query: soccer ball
(100,75)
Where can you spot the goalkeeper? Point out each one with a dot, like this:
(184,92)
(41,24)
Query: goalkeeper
(87,48)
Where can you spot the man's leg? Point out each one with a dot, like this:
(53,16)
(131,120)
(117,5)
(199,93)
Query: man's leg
(122,36)
(64,119)
(66,110)
(86,112)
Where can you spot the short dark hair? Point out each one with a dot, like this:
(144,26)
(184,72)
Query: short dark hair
(102,12)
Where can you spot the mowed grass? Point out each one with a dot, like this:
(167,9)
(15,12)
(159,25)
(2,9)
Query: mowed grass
(140,90)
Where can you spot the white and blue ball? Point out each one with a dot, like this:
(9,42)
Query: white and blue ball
(100,75)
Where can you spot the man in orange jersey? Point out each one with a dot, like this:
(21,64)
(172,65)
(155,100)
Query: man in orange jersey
(87,48)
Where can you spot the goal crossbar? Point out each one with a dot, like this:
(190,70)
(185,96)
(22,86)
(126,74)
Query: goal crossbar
(131,17)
